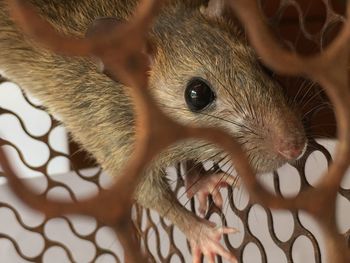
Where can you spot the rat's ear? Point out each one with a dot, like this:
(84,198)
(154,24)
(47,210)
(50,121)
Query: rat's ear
(150,49)
(214,9)
(219,9)
(105,25)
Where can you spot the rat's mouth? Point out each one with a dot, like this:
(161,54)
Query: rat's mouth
(267,161)
(266,164)
(294,152)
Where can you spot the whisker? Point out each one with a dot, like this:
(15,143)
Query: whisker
(211,172)
(301,87)
(240,125)
(303,106)
(309,89)
(315,108)
(199,163)
(231,193)
(195,182)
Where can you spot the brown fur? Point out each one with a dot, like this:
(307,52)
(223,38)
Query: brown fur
(99,114)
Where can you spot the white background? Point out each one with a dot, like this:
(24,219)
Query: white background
(35,153)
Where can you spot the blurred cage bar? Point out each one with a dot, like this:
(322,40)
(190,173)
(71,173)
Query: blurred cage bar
(306,26)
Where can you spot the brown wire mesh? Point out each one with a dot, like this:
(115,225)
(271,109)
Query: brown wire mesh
(308,30)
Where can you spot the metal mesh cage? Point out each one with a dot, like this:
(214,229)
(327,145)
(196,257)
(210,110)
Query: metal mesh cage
(26,236)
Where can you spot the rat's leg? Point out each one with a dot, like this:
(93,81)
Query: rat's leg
(203,183)
(154,192)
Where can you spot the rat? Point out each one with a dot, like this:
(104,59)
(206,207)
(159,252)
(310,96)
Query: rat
(202,73)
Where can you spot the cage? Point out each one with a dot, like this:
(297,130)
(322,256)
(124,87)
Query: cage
(55,166)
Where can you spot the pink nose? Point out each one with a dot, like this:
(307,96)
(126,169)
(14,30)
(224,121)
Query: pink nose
(292,151)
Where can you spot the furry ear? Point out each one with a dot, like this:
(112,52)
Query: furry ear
(105,25)
(219,10)
(214,9)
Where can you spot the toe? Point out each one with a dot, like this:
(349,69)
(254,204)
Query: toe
(220,250)
(202,199)
(227,230)
(208,242)
(196,254)
(226,179)
(210,257)
(232,181)
(217,198)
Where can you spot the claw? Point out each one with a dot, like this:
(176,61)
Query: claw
(202,184)
(206,240)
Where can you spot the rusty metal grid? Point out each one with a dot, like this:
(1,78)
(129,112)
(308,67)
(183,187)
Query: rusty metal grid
(319,38)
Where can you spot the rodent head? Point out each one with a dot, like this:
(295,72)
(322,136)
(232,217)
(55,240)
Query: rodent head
(205,74)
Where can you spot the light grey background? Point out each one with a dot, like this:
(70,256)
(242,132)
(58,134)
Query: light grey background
(36,153)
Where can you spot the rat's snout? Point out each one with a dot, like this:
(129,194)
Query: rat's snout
(288,137)
(291,149)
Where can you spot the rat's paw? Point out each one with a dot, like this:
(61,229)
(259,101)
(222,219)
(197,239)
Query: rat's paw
(206,241)
(209,184)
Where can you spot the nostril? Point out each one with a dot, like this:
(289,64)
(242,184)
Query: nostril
(291,154)
(292,151)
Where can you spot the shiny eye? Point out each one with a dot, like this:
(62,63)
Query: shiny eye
(198,94)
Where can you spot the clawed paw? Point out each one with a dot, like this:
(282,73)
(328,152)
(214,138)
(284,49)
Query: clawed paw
(207,242)
(203,185)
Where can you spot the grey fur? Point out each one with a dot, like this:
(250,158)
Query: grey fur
(99,114)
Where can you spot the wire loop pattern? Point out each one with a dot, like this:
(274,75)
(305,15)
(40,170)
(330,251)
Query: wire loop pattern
(119,50)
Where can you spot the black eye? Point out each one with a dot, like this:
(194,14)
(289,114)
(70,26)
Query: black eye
(198,94)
